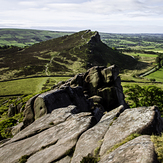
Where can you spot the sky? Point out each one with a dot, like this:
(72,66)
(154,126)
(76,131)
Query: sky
(110,16)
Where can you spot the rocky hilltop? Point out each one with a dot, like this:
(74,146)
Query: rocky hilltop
(63,56)
(84,119)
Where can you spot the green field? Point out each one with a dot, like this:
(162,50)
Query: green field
(158,75)
(29,85)
(142,55)
(149,58)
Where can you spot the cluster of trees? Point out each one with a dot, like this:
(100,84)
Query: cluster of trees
(7,47)
(138,96)
(159,60)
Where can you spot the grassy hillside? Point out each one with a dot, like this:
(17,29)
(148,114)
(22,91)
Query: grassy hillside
(26,37)
(64,56)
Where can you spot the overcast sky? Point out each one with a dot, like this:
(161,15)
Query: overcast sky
(111,16)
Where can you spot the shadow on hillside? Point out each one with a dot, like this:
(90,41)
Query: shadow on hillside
(141,65)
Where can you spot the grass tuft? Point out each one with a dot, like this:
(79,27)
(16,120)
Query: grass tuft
(89,159)
(23,159)
(130,137)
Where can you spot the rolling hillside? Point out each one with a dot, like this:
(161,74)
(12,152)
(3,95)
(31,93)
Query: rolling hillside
(27,37)
(63,56)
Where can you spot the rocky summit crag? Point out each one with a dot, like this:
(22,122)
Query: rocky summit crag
(84,119)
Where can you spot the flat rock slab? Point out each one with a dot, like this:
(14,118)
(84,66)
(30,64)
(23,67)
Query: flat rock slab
(143,120)
(47,121)
(90,141)
(66,159)
(50,144)
(140,150)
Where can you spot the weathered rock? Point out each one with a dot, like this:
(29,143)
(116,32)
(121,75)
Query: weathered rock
(47,121)
(47,102)
(100,81)
(105,83)
(67,134)
(97,99)
(98,111)
(109,97)
(77,80)
(93,80)
(143,120)
(78,99)
(19,107)
(119,92)
(90,142)
(140,149)
(50,144)
(70,125)
(11,110)
(16,129)
(29,111)
(67,159)
(110,74)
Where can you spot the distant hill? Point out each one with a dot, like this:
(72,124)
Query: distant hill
(66,55)
(27,37)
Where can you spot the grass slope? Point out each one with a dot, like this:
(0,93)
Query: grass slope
(29,85)
(157,75)
(66,55)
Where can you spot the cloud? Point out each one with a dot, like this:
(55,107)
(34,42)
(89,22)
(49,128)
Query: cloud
(103,15)
(28,3)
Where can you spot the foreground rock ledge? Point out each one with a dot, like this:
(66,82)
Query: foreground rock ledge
(143,120)
(139,150)
(85,116)
(70,137)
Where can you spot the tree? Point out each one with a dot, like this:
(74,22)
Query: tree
(158,61)
(144,96)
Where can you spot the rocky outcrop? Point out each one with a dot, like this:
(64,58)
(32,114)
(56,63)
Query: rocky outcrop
(95,39)
(29,111)
(98,90)
(90,142)
(48,138)
(140,149)
(62,136)
(82,120)
(143,120)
